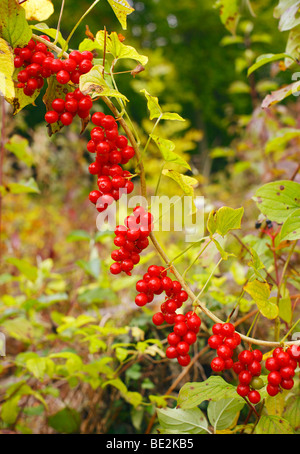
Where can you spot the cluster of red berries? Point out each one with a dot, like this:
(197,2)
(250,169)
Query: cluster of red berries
(112,151)
(64,110)
(131,239)
(32,58)
(248,368)
(224,340)
(154,282)
(184,334)
(281,366)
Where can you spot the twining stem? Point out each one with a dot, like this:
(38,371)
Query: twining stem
(59,21)
(78,23)
(51,46)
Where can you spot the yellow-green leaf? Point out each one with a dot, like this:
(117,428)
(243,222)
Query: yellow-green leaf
(7,87)
(121,9)
(166,148)
(13,24)
(224,220)
(155,109)
(38,9)
(260,292)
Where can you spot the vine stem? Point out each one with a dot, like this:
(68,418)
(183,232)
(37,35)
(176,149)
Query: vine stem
(161,251)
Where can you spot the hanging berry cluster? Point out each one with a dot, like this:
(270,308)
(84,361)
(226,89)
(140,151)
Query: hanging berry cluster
(281,366)
(111,152)
(248,368)
(224,340)
(131,239)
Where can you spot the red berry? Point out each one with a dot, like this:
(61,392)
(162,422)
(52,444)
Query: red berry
(274,378)
(87,55)
(115,268)
(184,360)
(173,339)
(108,122)
(254,396)
(217,364)
(255,368)
(243,390)
(180,329)
(238,367)
(246,357)
(271,364)
(183,348)
(287,372)
(257,355)
(18,61)
(94,196)
(85,66)
(141,299)
(85,103)
(58,105)
(71,105)
(224,352)
(97,118)
(66,118)
(51,116)
(283,358)
(215,341)
(69,64)
(76,55)
(171,352)
(32,84)
(227,329)
(272,390)
(63,77)
(245,377)
(190,337)
(194,322)
(287,383)
(217,328)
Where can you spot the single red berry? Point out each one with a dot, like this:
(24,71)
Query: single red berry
(257,355)
(184,360)
(254,396)
(76,55)
(85,103)
(283,358)
(85,66)
(217,328)
(94,196)
(245,377)
(238,367)
(115,268)
(243,390)
(274,378)
(287,383)
(87,55)
(255,368)
(190,337)
(69,65)
(180,329)
(272,390)
(194,323)
(173,339)
(66,118)
(287,372)
(58,105)
(272,364)
(71,105)
(18,61)
(224,352)
(246,357)
(227,329)
(63,77)
(217,364)
(183,348)
(171,352)
(228,363)
(215,341)
(32,84)
(141,299)
(108,122)
(51,116)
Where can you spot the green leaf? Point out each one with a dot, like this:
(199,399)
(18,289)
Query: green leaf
(96,295)
(293,46)
(213,389)
(229,14)
(23,187)
(39,367)
(290,229)
(273,425)
(13,25)
(281,139)
(278,200)
(225,255)
(78,235)
(93,84)
(166,148)
(184,181)
(155,109)
(25,268)
(260,292)
(65,421)
(20,148)
(292,411)
(285,309)
(181,421)
(19,328)
(224,220)
(222,414)
(265,59)
(122,9)
(10,410)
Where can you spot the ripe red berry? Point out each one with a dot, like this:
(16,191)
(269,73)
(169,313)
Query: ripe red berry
(224,352)
(58,105)
(215,341)
(217,328)
(51,116)
(272,390)
(246,357)
(180,329)
(171,352)
(63,77)
(217,364)
(194,323)
(190,337)
(141,299)
(271,364)
(287,383)
(85,66)
(173,339)
(243,390)
(255,368)
(66,118)
(254,396)
(184,360)
(274,378)
(115,268)
(183,348)
(245,377)
(227,329)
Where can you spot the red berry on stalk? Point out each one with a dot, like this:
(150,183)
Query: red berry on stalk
(51,116)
